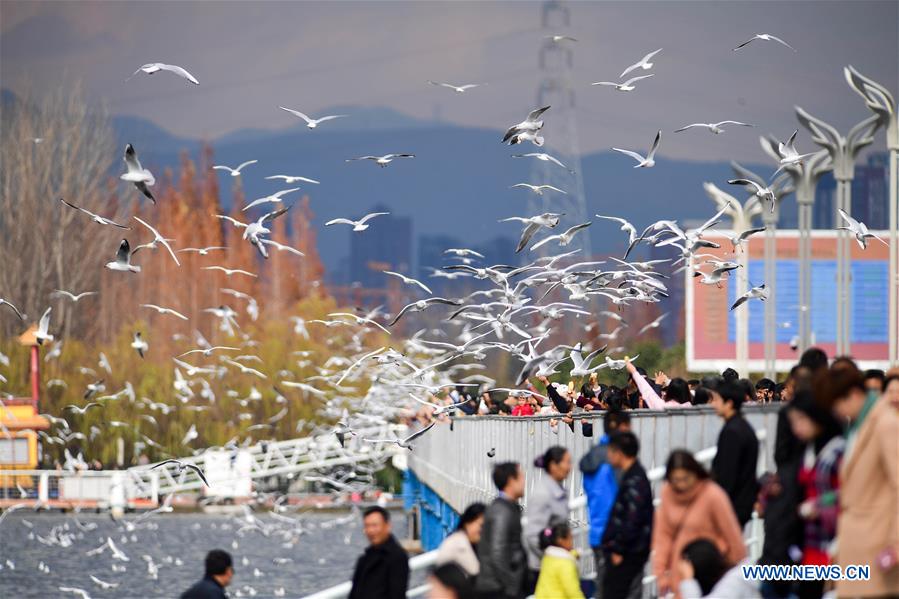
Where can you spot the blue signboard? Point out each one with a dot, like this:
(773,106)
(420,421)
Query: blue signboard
(869,301)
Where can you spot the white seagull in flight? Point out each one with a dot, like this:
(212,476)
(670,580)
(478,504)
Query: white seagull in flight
(643,63)
(157,238)
(274,198)
(42,334)
(162,310)
(310,122)
(537,189)
(94,217)
(141,177)
(627,86)
(642,162)
(859,230)
(358,225)
(459,89)
(767,37)
(155,67)
(409,280)
(122,260)
(382,161)
(235,172)
(544,157)
(713,127)
(291,179)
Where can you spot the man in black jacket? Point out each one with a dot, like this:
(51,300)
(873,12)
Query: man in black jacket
(382,572)
(500,551)
(628,535)
(219,572)
(734,466)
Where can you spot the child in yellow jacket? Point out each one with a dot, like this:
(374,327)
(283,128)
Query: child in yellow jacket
(558,570)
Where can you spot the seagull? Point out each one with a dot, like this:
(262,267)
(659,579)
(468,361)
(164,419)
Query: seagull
(459,89)
(581,365)
(544,157)
(358,225)
(157,238)
(245,369)
(564,238)
(155,67)
(714,127)
(384,160)
(627,86)
(626,226)
(407,442)
(71,296)
(759,293)
(438,409)
(654,324)
(716,276)
(94,217)
(81,410)
(291,179)
(408,280)
(274,198)
(162,310)
(103,584)
(532,225)
(737,240)
(141,177)
(463,252)
(358,319)
(183,465)
(235,172)
(14,309)
(312,123)
(207,352)
(537,189)
(203,251)
(642,162)
(617,364)
(788,153)
(77,591)
(531,124)
(281,246)
(229,271)
(765,37)
(42,334)
(559,38)
(763,193)
(190,435)
(859,229)
(643,63)
(422,305)
(139,344)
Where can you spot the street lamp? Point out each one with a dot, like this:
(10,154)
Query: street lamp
(781,187)
(741,216)
(805,180)
(843,151)
(881,102)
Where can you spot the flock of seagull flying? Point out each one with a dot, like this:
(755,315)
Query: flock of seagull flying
(515,310)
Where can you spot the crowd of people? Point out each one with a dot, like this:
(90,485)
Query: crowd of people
(833,498)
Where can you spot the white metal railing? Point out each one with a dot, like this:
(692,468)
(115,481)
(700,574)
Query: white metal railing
(269,459)
(577,504)
(121,488)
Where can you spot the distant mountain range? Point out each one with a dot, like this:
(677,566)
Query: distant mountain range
(458,184)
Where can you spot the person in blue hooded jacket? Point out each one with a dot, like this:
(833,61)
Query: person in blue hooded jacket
(601,486)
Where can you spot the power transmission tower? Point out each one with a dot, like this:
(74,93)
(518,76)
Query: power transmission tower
(556,90)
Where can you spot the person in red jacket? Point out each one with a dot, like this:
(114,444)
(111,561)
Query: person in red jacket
(524,407)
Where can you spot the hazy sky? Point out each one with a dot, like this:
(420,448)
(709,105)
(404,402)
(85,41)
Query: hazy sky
(252,56)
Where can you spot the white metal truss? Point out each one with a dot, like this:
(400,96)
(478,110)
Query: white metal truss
(269,459)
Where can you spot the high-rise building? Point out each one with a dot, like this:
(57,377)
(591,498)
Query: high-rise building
(870,189)
(385,245)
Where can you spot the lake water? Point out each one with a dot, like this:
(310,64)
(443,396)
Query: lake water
(322,549)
